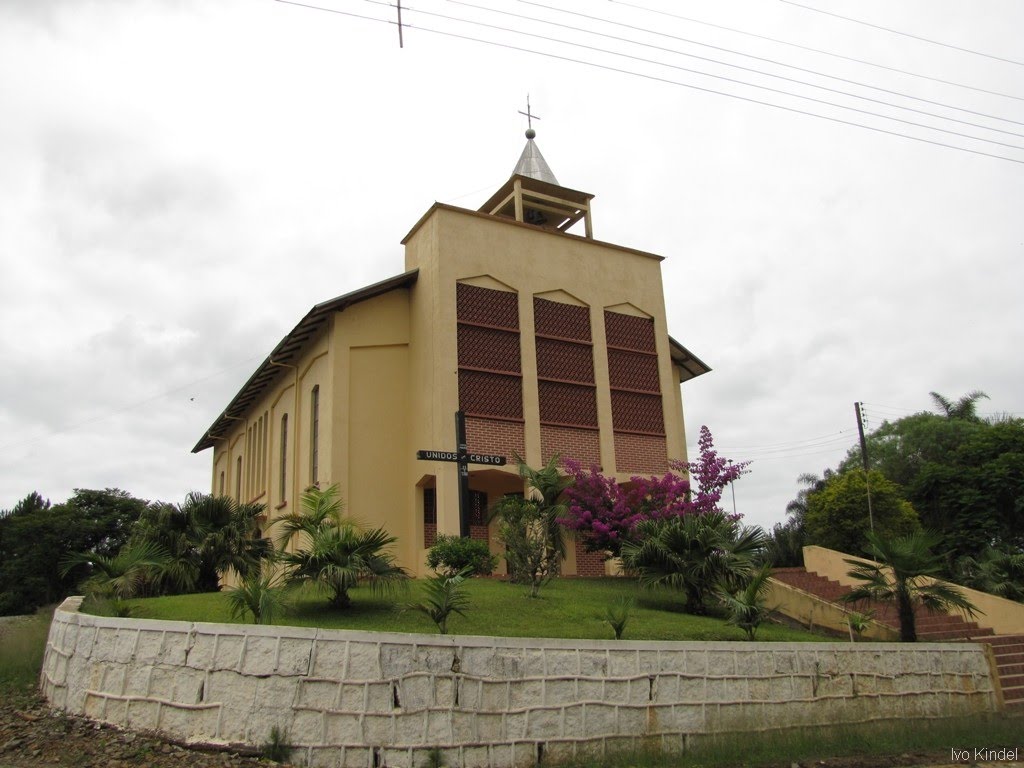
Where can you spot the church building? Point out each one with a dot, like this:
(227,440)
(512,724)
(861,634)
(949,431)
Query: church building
(548,342)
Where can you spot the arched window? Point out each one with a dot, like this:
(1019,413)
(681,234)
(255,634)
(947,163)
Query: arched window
(284,456)
(238,480)
(220,491)
(314,435)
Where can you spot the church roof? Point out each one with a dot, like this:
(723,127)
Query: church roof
(533,165)
(289,349)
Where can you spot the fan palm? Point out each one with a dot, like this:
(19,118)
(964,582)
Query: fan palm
(444,595)
(693,553)
(123,575)
(747,606)
(261,594)
(333,552)
(905,575)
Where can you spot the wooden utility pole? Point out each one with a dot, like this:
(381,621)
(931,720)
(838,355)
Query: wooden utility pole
(864,458)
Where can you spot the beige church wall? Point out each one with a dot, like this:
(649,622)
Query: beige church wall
(370,417)
(362,699)
(380,493)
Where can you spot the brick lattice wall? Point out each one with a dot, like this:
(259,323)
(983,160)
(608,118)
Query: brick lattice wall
(640,453)
(584,445)
(504,438)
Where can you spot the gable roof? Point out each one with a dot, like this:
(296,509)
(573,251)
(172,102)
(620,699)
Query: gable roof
(289,349)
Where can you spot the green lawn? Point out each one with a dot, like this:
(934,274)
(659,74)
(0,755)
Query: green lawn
(571,608)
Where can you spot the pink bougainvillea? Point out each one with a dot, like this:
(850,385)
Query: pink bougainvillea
(605,512)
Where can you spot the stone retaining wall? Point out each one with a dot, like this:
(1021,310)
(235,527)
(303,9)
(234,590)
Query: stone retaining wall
(383,699)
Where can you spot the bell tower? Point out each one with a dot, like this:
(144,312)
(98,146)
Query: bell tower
(533,195)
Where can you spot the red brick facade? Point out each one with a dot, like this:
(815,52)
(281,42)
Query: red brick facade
(640,453)
(504,438)
(583,445)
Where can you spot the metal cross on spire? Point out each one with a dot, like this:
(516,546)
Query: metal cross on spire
(530,117)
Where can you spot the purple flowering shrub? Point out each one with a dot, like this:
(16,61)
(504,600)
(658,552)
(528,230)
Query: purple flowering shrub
(606,513)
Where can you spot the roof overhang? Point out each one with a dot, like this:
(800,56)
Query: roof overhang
(289,349)
(690,366)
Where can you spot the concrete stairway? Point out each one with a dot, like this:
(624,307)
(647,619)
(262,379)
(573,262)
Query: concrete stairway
(1009,653)
(931,626)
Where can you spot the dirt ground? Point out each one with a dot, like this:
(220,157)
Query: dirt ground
(32,736)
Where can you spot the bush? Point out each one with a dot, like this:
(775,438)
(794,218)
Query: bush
(452,555)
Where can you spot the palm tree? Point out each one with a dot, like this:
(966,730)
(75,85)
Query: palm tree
(261,594)
(204,538)
(747,606)
(905,575)
(693,553)
(444,595)
(333,552)
(964,409)
(122,576)
(549,484)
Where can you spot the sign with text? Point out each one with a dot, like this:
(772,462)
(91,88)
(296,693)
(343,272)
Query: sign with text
(472,458)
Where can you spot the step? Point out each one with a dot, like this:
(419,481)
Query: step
(1002,640)
(1005,670)
(1008,658)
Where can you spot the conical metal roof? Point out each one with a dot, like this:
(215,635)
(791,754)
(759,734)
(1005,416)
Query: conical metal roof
(533,165)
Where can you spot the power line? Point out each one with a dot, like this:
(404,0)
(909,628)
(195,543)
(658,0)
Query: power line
(768,61)
(821,51)
(129,407)
(655,78)
(596,49)
(830,435)
(904,34)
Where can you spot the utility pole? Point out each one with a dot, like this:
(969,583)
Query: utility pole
(864,458)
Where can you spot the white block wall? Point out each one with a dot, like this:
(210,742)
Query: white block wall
(365,699)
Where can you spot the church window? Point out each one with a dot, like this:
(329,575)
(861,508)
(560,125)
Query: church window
(220,492)
(314,435)
(238,480)
(429,517)
(284,456)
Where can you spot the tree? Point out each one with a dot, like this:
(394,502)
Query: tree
(523,528)
(122,576)
(747,606)
(995,571)
(694,554)
(965,408)
(444,595)
(547,487)
(35,536)
(332,552)
(261,594)
(963,475)
(205,537)
(606,513)
(904,575)
(837,515)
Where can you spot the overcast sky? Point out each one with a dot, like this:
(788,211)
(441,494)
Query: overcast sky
(181,180)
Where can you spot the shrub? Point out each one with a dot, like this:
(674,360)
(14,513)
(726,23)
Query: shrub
(453,555)
(445,595)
